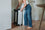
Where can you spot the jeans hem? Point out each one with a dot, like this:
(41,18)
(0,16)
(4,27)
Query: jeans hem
(25,25)
(29,26)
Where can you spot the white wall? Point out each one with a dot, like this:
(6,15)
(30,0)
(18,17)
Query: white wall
(36,11)
(5,14)
(39,2)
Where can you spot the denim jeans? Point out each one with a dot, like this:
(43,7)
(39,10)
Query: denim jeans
(27,16)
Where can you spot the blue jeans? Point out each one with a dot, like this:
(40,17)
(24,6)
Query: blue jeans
(27,16)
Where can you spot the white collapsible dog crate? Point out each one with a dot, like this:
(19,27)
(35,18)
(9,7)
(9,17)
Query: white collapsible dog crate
(20,17)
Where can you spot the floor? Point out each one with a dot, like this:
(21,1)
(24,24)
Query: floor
(35,26)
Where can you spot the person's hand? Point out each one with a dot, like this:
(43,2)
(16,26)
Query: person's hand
(21,10)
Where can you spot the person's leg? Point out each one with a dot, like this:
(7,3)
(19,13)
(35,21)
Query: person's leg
(25,18)
(29,17)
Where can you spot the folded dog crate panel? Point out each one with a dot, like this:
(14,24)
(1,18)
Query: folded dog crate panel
(20,17)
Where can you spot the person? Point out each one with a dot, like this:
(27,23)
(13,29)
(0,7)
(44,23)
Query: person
(27,13)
